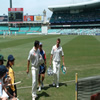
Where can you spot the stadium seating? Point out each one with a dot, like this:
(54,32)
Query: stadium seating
(4,28)
(24,28)
(53,30)
(1,33)
(91,15)
(14,29)
(69,31)
(79,31)
(34,28)
(17,30)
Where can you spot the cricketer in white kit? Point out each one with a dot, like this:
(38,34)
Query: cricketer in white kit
(56,54)
(36,60)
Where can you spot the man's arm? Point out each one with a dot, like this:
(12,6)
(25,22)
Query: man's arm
(52,52)
(28,64)
(8,93)
(63,57)
(50,59)
(63,60)
(45,58)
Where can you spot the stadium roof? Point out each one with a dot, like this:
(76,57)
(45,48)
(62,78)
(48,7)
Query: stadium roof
(90,4)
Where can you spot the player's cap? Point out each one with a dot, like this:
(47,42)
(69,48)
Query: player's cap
(11,58)
(2,58)
(40,43)
(3,69)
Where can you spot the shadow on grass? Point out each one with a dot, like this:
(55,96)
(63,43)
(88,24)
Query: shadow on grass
(42,94)
(47,87)
(60,84)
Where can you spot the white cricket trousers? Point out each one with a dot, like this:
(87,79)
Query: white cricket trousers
(56,70)
(35,72)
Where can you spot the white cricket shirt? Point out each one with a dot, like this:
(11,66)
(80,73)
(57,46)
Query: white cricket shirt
(57,53)
(34,57)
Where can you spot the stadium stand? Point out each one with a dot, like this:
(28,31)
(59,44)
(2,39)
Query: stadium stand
(35,28)
(4,28)
(17,30)
(24,29)
(72,19)
(53,30)
(79,19)
(79,31)
(14,29)
(86,16)
(85,13)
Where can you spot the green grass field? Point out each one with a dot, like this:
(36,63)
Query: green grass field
(82,56)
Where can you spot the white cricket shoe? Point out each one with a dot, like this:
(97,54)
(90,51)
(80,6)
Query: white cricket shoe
(54,84)
(57,86)
(39,88)
(34,96)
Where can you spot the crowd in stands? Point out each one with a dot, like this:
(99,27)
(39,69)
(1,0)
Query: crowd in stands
(90,15)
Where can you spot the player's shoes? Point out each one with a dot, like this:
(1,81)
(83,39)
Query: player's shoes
(54,84)
(39,88)
(57,86)
(34,96)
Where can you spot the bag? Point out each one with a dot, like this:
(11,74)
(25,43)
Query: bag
(41,61)
(64,69)
(50,71)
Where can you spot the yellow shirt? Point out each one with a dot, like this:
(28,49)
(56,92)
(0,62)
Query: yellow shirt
(11,74)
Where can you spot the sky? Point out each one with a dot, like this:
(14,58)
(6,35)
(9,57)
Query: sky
(34,7)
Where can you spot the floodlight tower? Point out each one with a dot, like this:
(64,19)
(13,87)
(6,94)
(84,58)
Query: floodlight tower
(10,3)
(44,16)
(44,25)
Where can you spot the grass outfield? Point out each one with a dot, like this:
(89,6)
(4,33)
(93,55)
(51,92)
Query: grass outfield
(82,56)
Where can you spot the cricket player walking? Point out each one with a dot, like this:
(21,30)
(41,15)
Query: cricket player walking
(42,69)
(56,54)
(36,60)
